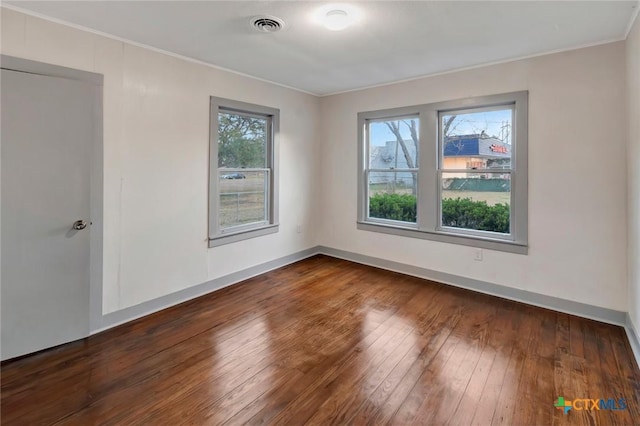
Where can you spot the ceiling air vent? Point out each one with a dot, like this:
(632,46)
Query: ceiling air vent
(267,24)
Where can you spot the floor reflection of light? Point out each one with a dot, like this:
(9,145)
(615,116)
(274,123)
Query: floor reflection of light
(239,354)
(440,363)
(243,344)
(396,338)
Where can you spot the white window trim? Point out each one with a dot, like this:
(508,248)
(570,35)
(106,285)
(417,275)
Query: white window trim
(428,210)
(217,236)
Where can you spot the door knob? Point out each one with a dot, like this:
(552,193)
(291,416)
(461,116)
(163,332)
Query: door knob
(79,224)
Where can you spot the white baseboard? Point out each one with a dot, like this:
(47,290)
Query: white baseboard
(122,316)
(549,302)
(597,313)
(632,335)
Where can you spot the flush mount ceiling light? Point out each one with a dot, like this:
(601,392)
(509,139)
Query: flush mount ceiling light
(267,23)
(337,20)
(336,16)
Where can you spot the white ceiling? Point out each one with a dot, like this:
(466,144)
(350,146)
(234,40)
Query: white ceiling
(394,40)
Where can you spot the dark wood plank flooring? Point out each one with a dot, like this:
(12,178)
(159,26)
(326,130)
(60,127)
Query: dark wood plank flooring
(326,341)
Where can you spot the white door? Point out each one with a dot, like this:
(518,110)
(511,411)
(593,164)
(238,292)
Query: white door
(46,142)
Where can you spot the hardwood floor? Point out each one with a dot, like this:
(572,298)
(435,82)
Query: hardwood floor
(328,341)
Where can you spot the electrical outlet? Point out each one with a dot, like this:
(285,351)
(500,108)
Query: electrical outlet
(477,255)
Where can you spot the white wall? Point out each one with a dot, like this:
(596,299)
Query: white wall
(633,168)
(577,192)
(156,136)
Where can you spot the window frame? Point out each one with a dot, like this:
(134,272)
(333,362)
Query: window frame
(218,236)
(429,160)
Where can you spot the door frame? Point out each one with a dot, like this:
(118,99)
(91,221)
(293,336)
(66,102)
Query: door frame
(96,171)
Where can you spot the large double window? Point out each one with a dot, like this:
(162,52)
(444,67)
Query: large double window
(242,199)
(451,171)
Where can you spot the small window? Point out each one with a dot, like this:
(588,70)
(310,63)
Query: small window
(242,198)
(392,169)
(451,171)
(475,198)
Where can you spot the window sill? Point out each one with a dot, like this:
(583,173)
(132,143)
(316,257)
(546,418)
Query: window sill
(465,240)
(221,240)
